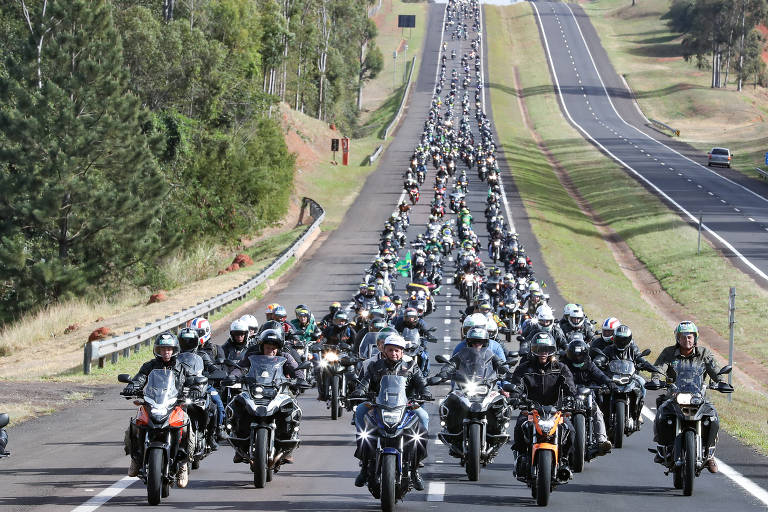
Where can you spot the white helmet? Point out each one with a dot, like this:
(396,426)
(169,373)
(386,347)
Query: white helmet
(576,316)
(473,320)
(568,308)
(534,287)
(492,328)
(545,317)
(238,326)
(203,327)
(396,340)
(251,322)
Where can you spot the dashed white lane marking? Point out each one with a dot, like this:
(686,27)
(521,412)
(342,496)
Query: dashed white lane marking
(436,491)
(745,483)
(438,441)
(751,219)
(737,210)
(106,495)
(446,339)
(449,280)
(447,321)
(449,295)
(447,308)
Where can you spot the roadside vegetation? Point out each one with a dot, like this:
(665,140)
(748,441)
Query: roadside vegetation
(668,65)
(580,260)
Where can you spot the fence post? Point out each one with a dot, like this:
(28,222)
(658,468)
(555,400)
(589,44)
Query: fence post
(87,355)
(698,249)
(731,324)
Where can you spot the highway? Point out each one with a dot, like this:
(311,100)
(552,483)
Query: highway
(735,216)
(73,460)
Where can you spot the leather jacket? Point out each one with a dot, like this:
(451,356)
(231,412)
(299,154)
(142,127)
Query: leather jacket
(544,384)
(416,385)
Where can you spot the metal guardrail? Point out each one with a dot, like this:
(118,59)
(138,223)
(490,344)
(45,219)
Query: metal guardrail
(100,349)
(375,154)
(402,102)
(665,125)
(761,173)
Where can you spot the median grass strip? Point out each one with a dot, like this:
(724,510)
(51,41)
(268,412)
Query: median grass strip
(576,254)
(674,91)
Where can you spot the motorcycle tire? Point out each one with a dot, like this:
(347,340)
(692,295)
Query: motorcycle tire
(260,462)
(334,397)
(619,415)
(689,462)
(543,477)
(388,478)
(154,475)
(195,464)
(580,443)
(474,447)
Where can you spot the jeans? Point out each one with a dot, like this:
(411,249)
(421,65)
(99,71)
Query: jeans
(219,404)
(362,409)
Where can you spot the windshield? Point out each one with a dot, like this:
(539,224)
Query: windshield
(474,365)
(368,345)
(392,391)
(689,377)
(411,335)
(621,366)
(193,363)
(266,370)
(161,388)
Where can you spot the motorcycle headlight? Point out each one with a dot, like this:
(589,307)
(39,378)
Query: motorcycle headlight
(331,357)
(300,351)
(620,379)
(391,417)
(159,411)
(546,425)
(473,388)
(684,398)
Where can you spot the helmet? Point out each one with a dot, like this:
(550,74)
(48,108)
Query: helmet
(203,327)
(544,317)
(251,322)
(280,313)
(166,339)
(477,335)
(485,307)
(377,324)
(301,309)
(578,352)
(411,314)
(390,308)
(576,316)
(238,327)
(609,327)
(622,337)
(270,308)
(687,327)
(188,339)
(473,320)
(567,309)
(395,340)
(492,328)
(397,300)
(334,307)
(340,318)
(272,337)
(543,345)
(377,313)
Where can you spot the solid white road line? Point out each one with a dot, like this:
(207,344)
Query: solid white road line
(106,495)
(639,176)
(447,321)
(745,483)
(436,491)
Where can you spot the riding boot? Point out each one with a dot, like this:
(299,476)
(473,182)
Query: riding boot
(416,480)
(362,476)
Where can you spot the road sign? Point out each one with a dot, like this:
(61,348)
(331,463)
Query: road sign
(406,21)
(334,144)
(766,159)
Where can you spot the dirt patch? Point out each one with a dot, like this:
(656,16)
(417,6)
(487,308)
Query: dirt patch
(24,399)
(646,283)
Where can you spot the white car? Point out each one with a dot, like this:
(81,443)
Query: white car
(719,156)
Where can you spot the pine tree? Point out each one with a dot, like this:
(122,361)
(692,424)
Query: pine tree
(81,188)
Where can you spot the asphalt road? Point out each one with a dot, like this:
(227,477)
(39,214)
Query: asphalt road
(734,209)
(60,462)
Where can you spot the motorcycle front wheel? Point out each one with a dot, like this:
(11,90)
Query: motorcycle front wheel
(543,477)
(154,475)
(473,452)
(260,462)
(689,462)
(580,443)
(388,477)
(619,415)
(334,397)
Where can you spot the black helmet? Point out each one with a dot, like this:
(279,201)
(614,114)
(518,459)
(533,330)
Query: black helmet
(341,318)
(334,307)
(543,344)
(272,324)
(188,339)
(477,335)
(622,337)
(377,324)
(578,352)
(272,337)
(166,339)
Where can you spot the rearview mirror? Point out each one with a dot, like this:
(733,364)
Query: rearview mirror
(645,352)
(725,370)
(440,358)
(520,339)
(305,365)
(652,385)
(124,377)
(200,380)
(4,419)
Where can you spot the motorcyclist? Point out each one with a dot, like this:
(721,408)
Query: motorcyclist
(545,322)
(684,351)
(328,319)
(270,343)
(574,320)
(391,364)
(235,346)
(304,324)
(253,327)
(586,373)
(204,331)
(339,331)
(544,380)
(411,321)
(189,344)
(166,349)
(478,320)
(606,335)
(625,349)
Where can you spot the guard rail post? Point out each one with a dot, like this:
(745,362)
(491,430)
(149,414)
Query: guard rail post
(761,173)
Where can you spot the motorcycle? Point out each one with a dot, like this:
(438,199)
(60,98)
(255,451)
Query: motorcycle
(544,433)
(393,442)
(4,420)
(413,195)
(687,397)
(161,427)
(620,404)
(265,402)
(334,376)
(585,441)
(202,415)
(474,415)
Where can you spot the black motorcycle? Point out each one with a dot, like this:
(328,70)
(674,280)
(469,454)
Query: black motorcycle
(585,446)
(474,415)
(687,398)
(160,427)
(336,377)
(3,435)
(265,417)
(202,415)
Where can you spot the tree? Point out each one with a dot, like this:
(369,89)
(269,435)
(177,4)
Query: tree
(81,186)
(371,59)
